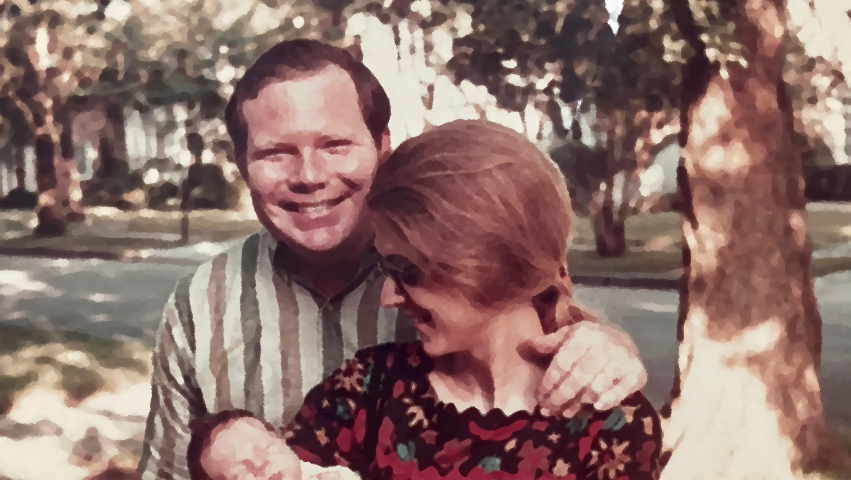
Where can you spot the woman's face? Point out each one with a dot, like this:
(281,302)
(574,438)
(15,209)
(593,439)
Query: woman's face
(446,321)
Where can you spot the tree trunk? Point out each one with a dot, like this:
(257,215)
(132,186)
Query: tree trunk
(553,111)
(428,49)
(6,154)
(747,400)
(51,179)
(161,132)
(53,173)
(113,142)
(20,168)
(397,39)
(74,211)
(634,160)
(195,145)
(609,233)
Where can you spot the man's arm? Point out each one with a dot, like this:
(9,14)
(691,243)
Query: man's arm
(594,362)
(176,399)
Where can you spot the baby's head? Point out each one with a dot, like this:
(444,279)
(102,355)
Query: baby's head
(232,442)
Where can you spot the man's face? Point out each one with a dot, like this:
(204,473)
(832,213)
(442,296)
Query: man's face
(310,158)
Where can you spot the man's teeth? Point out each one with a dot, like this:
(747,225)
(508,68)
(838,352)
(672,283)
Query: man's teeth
(316,208)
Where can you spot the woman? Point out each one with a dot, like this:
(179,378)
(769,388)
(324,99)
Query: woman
(472,225)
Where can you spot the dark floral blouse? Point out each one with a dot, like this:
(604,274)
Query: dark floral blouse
(379,417)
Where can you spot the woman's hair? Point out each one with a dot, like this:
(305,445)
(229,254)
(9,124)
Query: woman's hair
(484,209)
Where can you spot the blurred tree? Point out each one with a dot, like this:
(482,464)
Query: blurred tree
(746,400)
(813,84)
(18,135)
(539,53)
(635,93)
(48,50)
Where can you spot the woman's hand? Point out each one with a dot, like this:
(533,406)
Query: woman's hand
(593,363)
(244,449)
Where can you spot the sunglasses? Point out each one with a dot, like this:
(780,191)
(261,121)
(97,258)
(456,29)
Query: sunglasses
(402,271)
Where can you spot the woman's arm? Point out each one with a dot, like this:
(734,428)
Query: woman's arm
(331,427)
(330,430)
(241,447)
(593,363)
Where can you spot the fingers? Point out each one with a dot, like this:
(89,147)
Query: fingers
(573,407)
(623,381)
(576,386)
(545,345)
(610,389)
(559,384)
(596,364)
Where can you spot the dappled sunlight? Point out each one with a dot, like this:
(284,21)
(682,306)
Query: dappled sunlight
(727,404)
(657,307)
(103,297)
(705,243)
(664,242)
(122,299)
(38,457)
(78,365)
(72,402)
(15,282)
(72,442)
(761,338)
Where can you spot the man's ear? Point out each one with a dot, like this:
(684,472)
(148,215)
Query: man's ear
(384,149)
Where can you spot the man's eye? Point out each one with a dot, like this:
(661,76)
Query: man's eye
(275,154)
(338,146)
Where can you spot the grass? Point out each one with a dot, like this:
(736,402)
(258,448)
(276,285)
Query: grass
(585,261)
(656,262)
(76,363)
(654,239)
(642,231)
(660,230)
(112,231)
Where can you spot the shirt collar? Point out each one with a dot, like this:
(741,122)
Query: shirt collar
(278,251)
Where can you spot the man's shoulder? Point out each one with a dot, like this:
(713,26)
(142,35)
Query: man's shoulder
(235,250)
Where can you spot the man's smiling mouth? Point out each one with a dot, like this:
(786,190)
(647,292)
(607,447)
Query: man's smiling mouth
(321,206)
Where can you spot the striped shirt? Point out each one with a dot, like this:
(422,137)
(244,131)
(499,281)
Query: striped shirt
(242,333)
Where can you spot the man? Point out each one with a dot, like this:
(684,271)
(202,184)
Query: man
(261,324)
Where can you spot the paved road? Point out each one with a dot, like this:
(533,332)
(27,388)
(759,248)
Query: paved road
(116,299)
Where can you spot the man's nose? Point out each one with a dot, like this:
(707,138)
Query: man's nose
(312,174)
(391,297)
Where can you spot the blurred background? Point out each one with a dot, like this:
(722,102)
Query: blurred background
(117,177)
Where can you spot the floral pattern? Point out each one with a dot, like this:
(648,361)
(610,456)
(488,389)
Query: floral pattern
(378,416)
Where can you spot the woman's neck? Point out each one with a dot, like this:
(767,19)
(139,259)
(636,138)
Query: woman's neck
(493,373)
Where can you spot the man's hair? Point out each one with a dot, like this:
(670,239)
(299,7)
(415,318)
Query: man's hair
(296,58)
